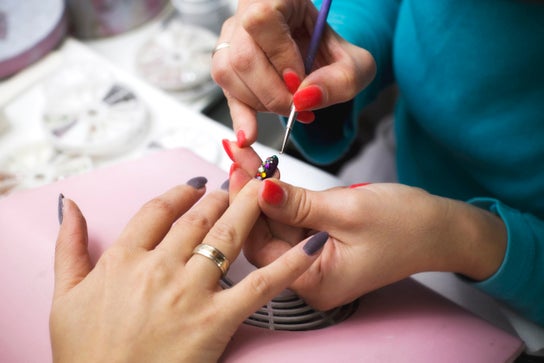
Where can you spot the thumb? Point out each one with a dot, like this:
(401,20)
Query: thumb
(294,206)
(72,261)
(336,82)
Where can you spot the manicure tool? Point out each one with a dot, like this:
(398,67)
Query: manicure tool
(309,61)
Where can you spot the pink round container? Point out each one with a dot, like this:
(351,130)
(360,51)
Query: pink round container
(28,31)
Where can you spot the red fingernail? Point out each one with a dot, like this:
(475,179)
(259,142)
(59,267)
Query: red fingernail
(307,98)
(241,138)
(272,193)
(292,81)
(306,117)
(233,168)
(352,186)
(228,150)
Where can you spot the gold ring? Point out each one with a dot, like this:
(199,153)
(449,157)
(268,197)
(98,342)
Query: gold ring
(220,46)
(215,255)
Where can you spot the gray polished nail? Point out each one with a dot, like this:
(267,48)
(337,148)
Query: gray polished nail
(225,185)
(198,182)
(60,207)
(315,243)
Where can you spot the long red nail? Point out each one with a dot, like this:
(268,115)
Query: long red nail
(233,168)
(292,81)
(306,117)
(228,150)
(241,138)
(272,193)
(307,98)
(352,186)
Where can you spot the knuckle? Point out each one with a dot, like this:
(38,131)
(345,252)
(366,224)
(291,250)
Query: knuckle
(276,103)
(260,283)
(221,73)
(303,207)
(196,219)
(162,205)
(349,80)
(256,16)
(223,233)
(242,60)
(113,258)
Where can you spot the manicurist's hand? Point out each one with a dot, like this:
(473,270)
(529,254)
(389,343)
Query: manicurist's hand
(378,234)
(149,298)
(262,65)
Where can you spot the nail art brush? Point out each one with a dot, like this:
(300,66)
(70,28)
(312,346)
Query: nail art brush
(309,61)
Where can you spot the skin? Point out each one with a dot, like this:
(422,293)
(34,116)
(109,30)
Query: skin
(374,240)
(380,233)
(148,299)
(265,40)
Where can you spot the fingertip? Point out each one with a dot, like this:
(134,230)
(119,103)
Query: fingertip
(315,243)
(272,193)
(72,261)
(238,177)
(60,206)
(228,149)
(308,98)
(241,139)
(292,80)
(73,223)
(306,117)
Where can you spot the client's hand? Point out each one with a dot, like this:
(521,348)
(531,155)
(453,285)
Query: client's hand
(149,298)
(379,234)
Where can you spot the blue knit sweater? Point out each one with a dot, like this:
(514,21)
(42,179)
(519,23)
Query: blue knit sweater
(470,116)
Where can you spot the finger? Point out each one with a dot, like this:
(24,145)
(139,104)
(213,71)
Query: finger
(320,210)
(149,226)
(268,24)
(252,66)
(247,162)
(244,72)
(244,118)
(263,247)
(237,180)
(72,261)
(267,282)
(228,234)
(191,228)
(341,79)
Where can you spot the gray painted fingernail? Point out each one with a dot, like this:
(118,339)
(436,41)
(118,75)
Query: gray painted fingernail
(198,182)
(315,243)
(60,207)
(225,185)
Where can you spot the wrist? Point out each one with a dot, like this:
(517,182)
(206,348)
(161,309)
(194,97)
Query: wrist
(476,241)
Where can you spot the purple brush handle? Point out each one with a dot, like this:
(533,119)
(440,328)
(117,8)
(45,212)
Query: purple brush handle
(316,35)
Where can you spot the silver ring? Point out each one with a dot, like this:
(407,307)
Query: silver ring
(220,46)
(215,255)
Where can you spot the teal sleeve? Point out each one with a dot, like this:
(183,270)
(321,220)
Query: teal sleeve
(369,24)
(518,281)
